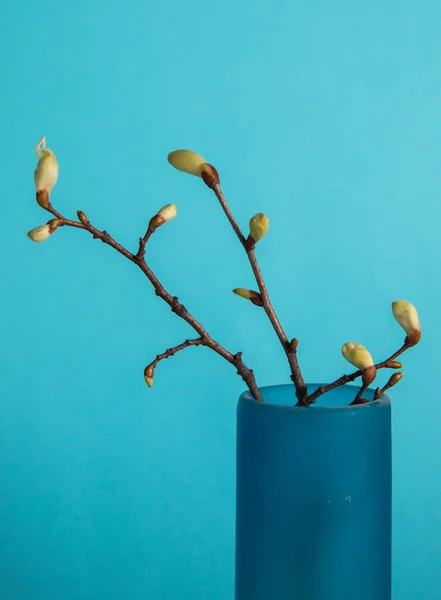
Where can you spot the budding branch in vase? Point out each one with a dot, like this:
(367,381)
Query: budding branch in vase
(46,176)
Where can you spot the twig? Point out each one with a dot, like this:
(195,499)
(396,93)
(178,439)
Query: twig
(178,308)
(360,393)
(394,379)
(149,371)
(143,241)
(348,378)
(172,351)
(296,376)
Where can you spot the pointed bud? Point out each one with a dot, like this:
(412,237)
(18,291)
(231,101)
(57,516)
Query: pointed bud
(259,225)
(395,364)
(187,161)
(396,377)
(357,355)
(149,372)
(193,163)
(43,198)
(39,234)
(406,315)
(293,344)
(82,217)
(167,212)
(46,173)
(377,393)
(255,297)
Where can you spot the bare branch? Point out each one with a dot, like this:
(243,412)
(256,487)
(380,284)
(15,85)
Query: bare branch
(296,375)
(143,241)
(149,371)
(358,398)
(176,307)
(172,351)
(394,379)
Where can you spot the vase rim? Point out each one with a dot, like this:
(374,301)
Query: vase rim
(383,401)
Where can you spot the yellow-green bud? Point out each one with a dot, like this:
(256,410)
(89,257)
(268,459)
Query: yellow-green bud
(255,297)
(46,173)
(406,315)
(193,163)
(168,212)
(41,233)
(259,225)
(357,355)
(187,161)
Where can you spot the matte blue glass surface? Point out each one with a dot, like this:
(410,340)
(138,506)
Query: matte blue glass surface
(313,498)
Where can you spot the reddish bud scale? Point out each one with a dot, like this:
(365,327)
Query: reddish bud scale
(369,375)
(249,243)
(292,347)
(210,176)
(43,198)
(413,337)
(156,222)
(149,371)
(54,224)
(256,299)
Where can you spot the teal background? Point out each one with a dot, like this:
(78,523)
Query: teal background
(326,116)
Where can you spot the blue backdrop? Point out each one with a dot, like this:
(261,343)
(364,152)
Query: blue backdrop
(326,116)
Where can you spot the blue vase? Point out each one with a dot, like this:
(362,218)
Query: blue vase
(313,504)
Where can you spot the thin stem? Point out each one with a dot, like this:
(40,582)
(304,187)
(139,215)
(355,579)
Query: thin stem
(296,375)
(391,383)
(220,196)
(96,233)
(143,241)
(172,351)
(360,393)
(348,378)
(178,308)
